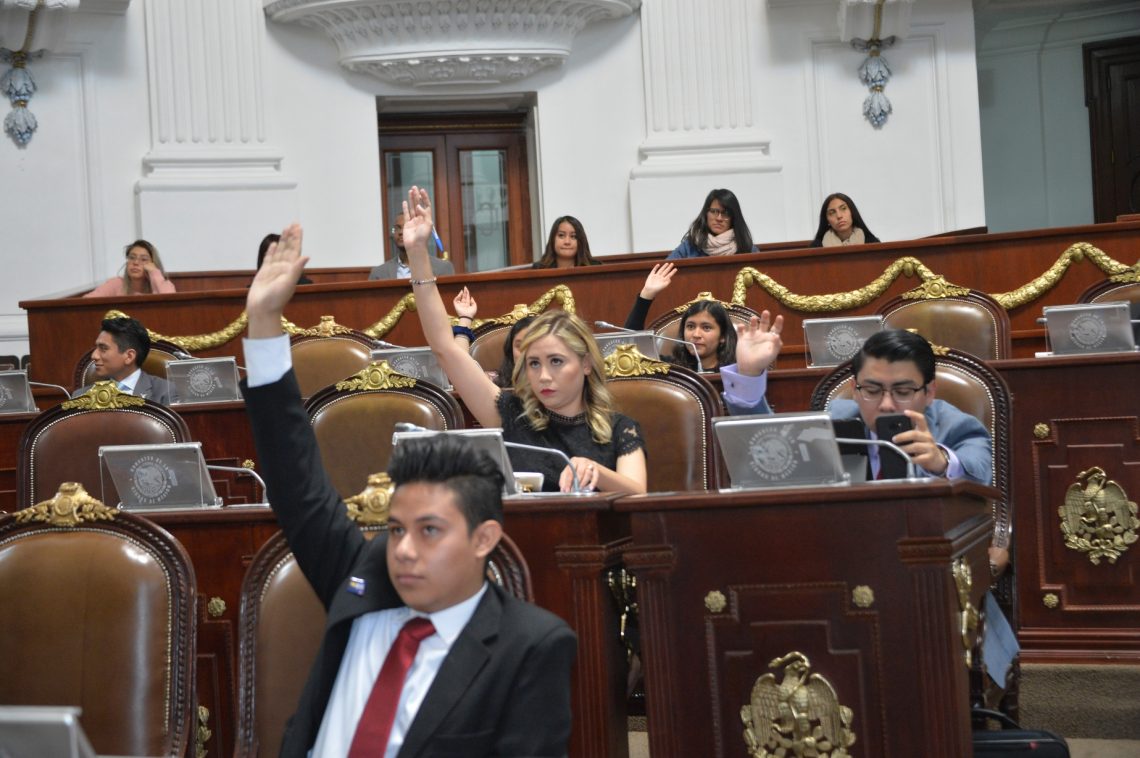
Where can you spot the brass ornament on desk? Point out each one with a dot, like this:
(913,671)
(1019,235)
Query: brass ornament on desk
(388,323)
(1050,600)
(627,360)
(249,464)
(968,614)
(195,342)
(1029,292)
(623,588)
(328,327)
(559,292)
(376,376)
(71,506)
(715,601)
(216,608)
(104,396)
(1041,431)
(1098,518)
(203,733)
(800,716)
(701,297)
(863,596)
(371,505)
(935,289)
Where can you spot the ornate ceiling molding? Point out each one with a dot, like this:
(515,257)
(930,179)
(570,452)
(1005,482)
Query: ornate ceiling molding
(434,42)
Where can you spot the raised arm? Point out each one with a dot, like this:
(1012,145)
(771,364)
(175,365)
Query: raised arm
(479,393)
(659,278)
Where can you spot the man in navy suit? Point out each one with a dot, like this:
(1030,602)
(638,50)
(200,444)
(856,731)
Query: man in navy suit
(120,350)
(492,676)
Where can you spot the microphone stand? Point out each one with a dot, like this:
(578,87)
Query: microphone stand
(686,343)
(53,386)
(240,470)
(911,472)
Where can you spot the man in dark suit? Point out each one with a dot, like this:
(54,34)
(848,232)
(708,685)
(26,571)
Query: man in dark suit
(120,351)
(397,268)
(491,675)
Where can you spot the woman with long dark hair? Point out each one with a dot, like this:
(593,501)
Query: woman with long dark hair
(567,246)
(841,224)
(719,229)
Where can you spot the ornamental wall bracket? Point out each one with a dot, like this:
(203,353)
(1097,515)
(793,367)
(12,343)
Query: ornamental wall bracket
(370,506)
(934,289)
(71,506)
(328,327)
(627,360)
(195,342)
(376,376)
(968,614)
(800,716)
(1097,518)
(104,396)
(448,42)
(701,297)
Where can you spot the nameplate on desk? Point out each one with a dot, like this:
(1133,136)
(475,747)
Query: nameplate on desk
(1089,328)
(16,393)
(34,730)
(489,440)
(832,341)
(779,450)
(203,380)
(644,341)
(157,477)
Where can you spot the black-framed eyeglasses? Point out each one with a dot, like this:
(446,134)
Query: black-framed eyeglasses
(902,394)
(720,213)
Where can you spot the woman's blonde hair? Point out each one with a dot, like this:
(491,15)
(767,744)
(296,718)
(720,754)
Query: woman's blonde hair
(153,251)
(578,339)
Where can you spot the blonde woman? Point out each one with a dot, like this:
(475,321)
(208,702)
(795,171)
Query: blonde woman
(142,274)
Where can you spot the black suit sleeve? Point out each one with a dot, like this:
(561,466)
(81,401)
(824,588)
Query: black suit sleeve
(312,515)
(536,720)
(638,313)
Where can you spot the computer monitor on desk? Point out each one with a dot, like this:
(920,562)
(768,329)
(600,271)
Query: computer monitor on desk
(780,450)
(28,731)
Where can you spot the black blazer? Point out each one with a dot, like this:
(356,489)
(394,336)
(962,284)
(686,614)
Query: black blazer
(504,687)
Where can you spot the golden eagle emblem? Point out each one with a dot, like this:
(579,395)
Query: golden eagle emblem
(801,716)
(71,506)
(1097,517)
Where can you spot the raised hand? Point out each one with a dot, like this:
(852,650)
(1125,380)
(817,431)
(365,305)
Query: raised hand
(417,220)
(465,305)
(659,278)
(274,284)
(758,343)
(919,444)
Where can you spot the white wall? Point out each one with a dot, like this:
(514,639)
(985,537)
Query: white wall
(68,202)
(1035,126)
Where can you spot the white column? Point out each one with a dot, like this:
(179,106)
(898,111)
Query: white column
(701,122)
(212,184)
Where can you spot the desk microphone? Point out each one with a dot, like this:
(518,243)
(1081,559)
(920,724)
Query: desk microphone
(240,470)
(54,386)
(389,345)
(911,473)
(404,426)
(181,355)
(690,345)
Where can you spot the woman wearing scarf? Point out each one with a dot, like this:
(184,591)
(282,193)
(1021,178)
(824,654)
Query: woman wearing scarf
(720,229)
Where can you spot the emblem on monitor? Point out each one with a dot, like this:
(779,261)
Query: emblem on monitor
(772,454)
(152,479)
(6,396)
(1087,331)
(202,382)
(843,342)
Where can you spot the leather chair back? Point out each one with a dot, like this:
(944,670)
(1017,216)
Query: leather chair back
(62,443)
(101,615)
(974,323)
(281,625)
(487,349)
(675,407)
(1107,290)
(320,362)
(161,353)
(354,424)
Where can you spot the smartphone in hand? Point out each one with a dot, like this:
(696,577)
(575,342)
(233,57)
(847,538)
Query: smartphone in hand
(891,464)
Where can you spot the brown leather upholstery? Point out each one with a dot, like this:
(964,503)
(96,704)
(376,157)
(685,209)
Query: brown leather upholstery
(161,353)
(974,323)
(1107,290)
(62,445)
(487,349)
(675,410)
(102,616)
(354,427)
(321,361)
(280,631)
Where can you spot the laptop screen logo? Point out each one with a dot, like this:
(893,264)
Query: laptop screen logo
(772,454)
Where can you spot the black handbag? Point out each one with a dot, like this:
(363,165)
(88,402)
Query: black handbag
(1011,741)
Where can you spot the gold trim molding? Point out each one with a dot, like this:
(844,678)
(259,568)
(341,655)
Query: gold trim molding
(1050,600)
(71,506)
(104,396)
(377,376)
(715,601)
(801,716)
(863,596)
(197,342)
(371,505)
(968,614)
(1097,518)
(627,360)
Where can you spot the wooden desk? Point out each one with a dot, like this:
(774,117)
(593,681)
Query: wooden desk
(62,330)
(1071,414)
(788,564)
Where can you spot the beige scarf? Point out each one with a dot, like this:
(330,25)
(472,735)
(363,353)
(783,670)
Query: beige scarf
(831,239)
(721,244)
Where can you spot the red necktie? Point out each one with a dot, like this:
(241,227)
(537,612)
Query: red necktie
(371,738)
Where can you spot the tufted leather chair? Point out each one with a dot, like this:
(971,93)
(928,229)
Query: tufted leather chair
(321,361)
(62,443)
(1104,291)
(974,323)
(487,349)
(675,407)
(101,615)
(161,353)
(354,424)
(280,631)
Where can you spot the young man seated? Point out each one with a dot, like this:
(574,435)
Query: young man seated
(120,350)
(482,673)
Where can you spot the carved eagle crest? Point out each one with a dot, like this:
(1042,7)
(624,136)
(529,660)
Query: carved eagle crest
(1097,517)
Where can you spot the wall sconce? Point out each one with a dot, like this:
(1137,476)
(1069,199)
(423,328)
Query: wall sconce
(29,24)
(889,21)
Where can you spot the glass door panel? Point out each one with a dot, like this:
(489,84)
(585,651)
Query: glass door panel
(485,208)
(402,170)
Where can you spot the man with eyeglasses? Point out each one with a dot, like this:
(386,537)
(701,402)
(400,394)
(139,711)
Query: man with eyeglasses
(397,268)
